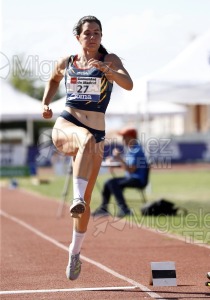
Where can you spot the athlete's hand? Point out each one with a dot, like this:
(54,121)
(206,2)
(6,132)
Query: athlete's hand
(98,65)
(47,112)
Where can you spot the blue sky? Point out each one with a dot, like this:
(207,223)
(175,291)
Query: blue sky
(146,34)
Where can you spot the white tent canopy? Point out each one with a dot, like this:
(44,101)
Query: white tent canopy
(186,79)
(134,103)
(18,106)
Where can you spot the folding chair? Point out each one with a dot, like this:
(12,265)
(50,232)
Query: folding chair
(141,189)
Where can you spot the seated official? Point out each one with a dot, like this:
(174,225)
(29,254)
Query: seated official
(135,165)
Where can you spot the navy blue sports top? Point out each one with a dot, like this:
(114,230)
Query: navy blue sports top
(86,89)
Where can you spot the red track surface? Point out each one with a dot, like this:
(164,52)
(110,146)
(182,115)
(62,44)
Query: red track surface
(31,262)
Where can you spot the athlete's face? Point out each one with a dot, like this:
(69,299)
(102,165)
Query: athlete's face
(90,36)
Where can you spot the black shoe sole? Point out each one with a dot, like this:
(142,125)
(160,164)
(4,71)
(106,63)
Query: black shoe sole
(77,210)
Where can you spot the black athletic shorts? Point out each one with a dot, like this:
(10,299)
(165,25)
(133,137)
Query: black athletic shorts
(99,135)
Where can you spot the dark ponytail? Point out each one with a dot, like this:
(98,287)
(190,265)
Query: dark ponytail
(102,50)
(78,28)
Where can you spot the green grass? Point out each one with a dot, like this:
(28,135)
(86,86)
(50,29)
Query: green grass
(187,189)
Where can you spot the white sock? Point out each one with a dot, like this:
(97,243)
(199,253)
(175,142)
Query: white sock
(76,244)
(79,187)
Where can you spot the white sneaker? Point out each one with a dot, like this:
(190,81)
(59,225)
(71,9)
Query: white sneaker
(74,267)
(77,207)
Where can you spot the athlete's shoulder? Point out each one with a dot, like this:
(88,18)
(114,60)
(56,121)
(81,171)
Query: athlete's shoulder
(111,56)
(113,60)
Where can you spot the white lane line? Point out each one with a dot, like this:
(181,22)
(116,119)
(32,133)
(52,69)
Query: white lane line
(99,265)
(118,288)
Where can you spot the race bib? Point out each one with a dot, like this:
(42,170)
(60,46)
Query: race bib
(84,88)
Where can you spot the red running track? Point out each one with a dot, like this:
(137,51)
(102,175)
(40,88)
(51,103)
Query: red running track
(116,256)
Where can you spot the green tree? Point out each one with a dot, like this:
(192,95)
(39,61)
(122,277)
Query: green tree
(23,78)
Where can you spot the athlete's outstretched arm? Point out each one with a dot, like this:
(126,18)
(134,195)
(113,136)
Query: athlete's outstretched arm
(52,87)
